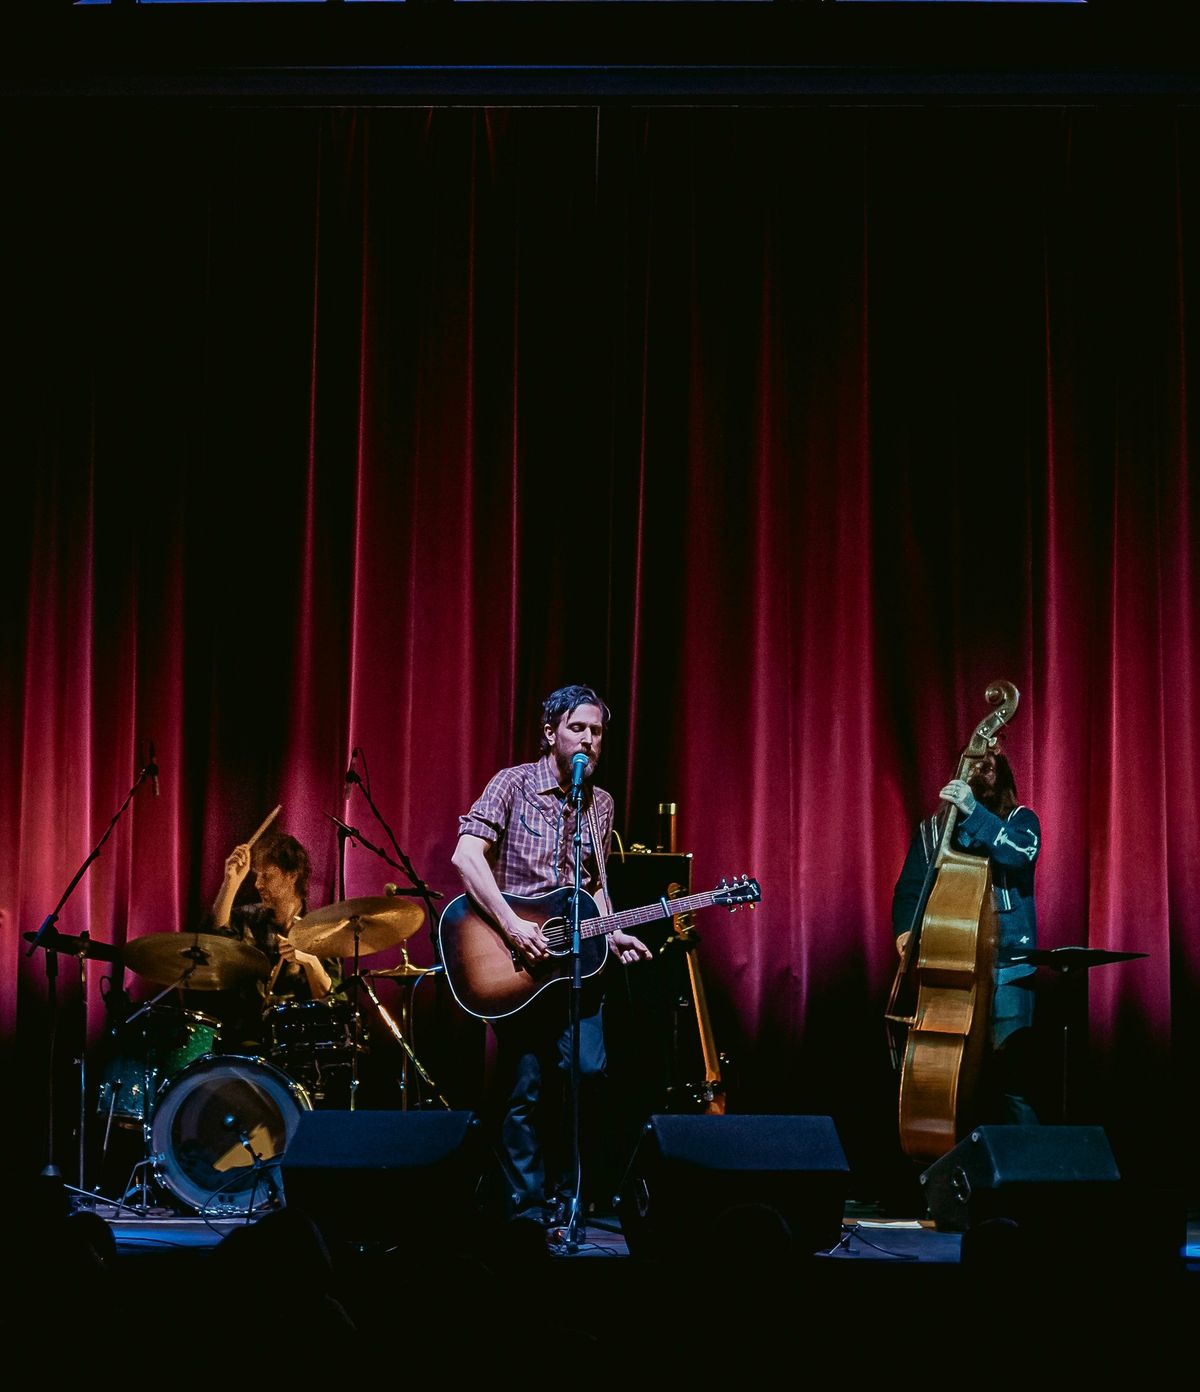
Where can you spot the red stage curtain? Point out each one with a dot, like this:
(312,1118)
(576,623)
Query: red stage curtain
(788,428)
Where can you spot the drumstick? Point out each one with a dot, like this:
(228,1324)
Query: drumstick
(274,976)
(266,823)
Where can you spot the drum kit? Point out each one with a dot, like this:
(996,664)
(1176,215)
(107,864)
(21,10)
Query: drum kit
(215,1125)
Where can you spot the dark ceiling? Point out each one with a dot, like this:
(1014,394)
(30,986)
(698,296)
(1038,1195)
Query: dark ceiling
(644,49)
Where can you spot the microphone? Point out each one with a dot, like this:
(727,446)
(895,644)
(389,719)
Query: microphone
(152,768)
(393,890)
(231,1122)
(351,776)
(342,826)
(579,763)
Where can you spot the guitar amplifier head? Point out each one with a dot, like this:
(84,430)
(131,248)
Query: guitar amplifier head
(641,877)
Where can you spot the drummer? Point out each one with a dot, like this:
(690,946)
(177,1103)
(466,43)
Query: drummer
(281,868)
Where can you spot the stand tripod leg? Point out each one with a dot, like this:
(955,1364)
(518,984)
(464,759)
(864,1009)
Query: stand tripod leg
(398,1035)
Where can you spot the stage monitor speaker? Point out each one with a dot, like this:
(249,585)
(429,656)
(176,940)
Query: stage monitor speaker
(1033,1175)
(372,1178)
(706,1185)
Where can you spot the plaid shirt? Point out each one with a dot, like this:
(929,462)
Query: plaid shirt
(530,823)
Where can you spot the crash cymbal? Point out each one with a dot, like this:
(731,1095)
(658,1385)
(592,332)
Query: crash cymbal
(378,922)
(195,961)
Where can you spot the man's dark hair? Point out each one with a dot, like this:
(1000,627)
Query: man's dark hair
(563,702)
(288,855)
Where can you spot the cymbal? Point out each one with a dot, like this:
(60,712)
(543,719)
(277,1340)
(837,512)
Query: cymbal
(196,961)
(81,946)
(378,922)
(403,971)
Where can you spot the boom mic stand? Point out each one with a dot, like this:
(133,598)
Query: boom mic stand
(420,888)
(52,942)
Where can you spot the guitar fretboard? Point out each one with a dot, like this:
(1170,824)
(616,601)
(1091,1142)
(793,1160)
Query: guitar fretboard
(628,918)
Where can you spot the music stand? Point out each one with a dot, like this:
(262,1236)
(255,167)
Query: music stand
(1072,964)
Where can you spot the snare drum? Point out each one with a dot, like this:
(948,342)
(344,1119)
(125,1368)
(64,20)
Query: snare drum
(220,1129)
(310,1024)
(144,1052)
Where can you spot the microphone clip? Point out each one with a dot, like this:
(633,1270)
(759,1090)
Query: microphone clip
(579,763)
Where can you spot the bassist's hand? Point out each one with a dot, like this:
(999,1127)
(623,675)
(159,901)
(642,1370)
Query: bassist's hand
(958,791)
(902,942)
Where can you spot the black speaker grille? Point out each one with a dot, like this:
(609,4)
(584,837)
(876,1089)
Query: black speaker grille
(1022,1172)
(700,1185)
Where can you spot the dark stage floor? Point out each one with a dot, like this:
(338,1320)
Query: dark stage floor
(729,1293)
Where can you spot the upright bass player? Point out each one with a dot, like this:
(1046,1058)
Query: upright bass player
(991,823)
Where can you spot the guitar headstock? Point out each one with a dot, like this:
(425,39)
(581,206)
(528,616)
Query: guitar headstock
(740,891)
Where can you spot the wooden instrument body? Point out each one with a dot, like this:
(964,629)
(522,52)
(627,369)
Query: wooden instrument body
(943,989)
(948,1038)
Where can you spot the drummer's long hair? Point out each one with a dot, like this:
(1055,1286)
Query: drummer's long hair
(290,856)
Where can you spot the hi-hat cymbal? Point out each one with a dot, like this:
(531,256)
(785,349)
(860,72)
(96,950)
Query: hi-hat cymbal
(403,971)
(195,961)
(377,922)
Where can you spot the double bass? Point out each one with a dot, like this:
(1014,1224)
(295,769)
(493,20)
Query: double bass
(941,999)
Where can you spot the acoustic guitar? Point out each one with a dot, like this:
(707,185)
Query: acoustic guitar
(490,981)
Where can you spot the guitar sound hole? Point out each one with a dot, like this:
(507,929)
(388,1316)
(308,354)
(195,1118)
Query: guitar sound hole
(558,935)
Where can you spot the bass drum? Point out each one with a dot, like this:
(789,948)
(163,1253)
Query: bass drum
(220,1130)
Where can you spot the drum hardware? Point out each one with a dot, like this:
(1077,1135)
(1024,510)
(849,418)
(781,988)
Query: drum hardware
(313,1041)
(396,919)
(408,974)
(53,942)
(354,928)
(84,948)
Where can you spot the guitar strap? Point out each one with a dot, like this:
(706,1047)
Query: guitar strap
(598,843)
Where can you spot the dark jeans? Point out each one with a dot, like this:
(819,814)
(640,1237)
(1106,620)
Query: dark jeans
(534,1056)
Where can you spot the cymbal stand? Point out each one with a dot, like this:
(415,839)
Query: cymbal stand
(139,1175)
(49,938)
(397,1033)
(354,1016)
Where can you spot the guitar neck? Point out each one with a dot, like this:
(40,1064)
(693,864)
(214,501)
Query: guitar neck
(648,913)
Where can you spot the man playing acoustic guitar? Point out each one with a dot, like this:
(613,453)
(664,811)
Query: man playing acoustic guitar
(518,839)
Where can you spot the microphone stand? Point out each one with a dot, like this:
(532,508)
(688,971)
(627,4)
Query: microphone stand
(573,1232)
(232,1122)
(420,888)
(52,942)
(344,831)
